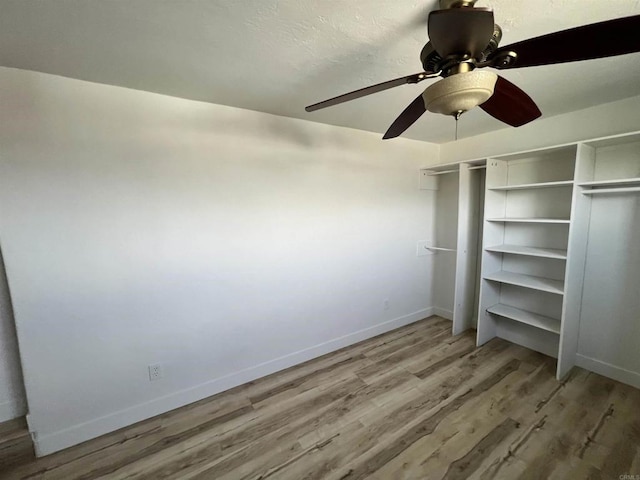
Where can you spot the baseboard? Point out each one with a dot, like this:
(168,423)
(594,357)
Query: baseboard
(608,370)
(441,312)
(12,409)
(53,442)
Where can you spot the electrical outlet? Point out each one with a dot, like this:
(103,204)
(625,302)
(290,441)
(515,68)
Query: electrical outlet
(385,304)
(155,372)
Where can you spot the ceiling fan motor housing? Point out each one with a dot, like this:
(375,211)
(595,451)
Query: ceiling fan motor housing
(460,92)
(457,3)
(433,62)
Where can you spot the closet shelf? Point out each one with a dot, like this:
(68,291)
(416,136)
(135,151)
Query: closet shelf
(528,281)
(529,251)
(529,220)
(612,183)
(523,316)
(531,186)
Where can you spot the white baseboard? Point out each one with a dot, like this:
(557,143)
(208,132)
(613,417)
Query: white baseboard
(12,409)
(608,370)
(441,312)
(53,442)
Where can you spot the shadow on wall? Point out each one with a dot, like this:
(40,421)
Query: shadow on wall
(12,403)
(218,125)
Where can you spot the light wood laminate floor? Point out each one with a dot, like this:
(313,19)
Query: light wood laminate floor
(415,403)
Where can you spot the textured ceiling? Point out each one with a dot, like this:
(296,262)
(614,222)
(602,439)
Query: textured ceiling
(277,56)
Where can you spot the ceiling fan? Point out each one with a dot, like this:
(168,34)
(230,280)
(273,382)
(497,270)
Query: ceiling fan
(463,39)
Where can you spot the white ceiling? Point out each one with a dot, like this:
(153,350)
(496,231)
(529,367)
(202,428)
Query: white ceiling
(277,56)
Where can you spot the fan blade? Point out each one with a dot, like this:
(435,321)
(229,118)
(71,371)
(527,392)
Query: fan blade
(418,77)
(598,40)
(511,105)
(461,31)
(407,118)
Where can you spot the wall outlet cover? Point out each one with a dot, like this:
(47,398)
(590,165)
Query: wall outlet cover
(155,372)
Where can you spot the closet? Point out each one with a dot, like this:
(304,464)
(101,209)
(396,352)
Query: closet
(609,203)
(459,192)
(559,260)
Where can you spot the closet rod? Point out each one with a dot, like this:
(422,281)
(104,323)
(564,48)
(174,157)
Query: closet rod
(479,167)
(598,191)
(433,174)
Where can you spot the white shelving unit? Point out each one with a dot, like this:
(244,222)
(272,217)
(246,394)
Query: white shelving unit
(560,253)
(528,209)
(459,196)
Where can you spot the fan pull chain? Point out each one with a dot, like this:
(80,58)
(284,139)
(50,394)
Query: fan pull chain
(457,116)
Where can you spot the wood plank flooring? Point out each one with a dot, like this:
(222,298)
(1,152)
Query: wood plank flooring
(15,444)
(415,403)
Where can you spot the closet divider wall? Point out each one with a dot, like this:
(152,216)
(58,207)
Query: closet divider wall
(470,201)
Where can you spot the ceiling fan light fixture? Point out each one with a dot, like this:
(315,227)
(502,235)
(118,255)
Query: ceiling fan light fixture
(460,92)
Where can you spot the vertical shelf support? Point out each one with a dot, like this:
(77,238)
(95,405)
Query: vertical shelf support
(495,206)
(467,254)
(576,261)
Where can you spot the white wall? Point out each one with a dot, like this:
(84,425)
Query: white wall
(12,403)
(224,244)
(600,121)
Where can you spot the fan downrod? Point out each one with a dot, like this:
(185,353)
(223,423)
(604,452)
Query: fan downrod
(444,4)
